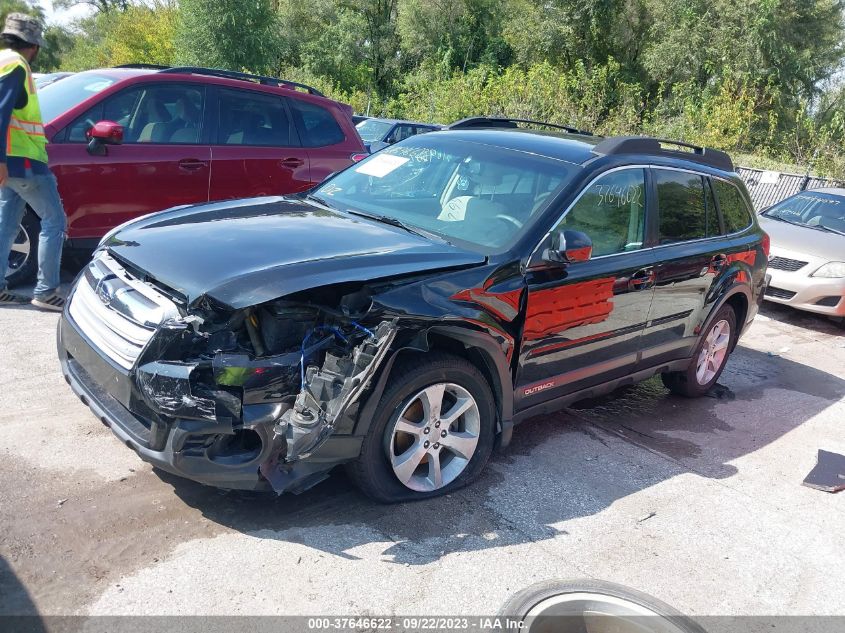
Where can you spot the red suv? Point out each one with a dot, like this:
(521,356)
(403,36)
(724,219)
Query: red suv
(132,140)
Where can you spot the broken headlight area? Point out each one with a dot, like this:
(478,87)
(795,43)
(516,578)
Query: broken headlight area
(265,386)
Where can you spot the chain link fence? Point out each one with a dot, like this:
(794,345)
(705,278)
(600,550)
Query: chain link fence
(769,187)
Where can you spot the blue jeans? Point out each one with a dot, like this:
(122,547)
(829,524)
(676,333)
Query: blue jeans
(42,196)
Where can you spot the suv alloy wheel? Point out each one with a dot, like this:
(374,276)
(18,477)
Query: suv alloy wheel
(23,259)
(709,360)
(433,431)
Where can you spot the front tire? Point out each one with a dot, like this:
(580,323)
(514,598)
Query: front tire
(23,260)
(709,360)
(432,433)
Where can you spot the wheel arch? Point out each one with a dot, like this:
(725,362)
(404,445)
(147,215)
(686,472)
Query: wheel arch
(473,346)
(739,298)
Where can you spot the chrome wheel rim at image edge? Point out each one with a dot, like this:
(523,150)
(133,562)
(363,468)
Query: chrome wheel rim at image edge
(713,352)
(429,448)
(568,611)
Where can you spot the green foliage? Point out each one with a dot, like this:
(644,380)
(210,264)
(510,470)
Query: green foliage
(231,34)
(586,99)
(140,33)
(723,115)
(325,38)
(20,6)
(757,78)
(58,40)
(103,6)
(459,33)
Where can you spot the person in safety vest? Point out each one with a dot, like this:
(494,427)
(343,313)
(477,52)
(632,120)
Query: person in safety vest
(25,179)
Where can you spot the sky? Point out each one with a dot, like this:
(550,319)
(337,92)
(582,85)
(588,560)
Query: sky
(63,17)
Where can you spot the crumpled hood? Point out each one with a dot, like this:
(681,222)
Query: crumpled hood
(245,252)
(802,239)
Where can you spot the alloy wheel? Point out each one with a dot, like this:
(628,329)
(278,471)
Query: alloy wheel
(434,437)
(713,352)
(595,612)
(21,251)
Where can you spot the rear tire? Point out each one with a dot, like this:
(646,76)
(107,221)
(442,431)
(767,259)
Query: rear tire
(23,260)
(412,437)
(709,359)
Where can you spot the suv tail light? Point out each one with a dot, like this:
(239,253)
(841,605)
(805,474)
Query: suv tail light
(766,244)
(358,156)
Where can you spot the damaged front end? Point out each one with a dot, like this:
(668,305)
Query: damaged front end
(257,398)
(272,390)
(327,392)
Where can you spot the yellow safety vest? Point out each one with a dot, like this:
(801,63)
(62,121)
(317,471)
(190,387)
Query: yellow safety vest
(26,131)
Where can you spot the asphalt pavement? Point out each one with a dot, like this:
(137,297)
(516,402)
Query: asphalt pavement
(696,502)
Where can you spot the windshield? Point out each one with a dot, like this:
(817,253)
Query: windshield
(373,130)
(813,209)
(477,194)
(60,96)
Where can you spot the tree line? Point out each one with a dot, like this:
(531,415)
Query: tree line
(759,78)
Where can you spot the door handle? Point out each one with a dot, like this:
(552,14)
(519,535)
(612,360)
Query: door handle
(291,163)
(642,279)
(192,164)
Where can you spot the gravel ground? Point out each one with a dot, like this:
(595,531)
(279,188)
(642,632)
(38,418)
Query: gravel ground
(698,503)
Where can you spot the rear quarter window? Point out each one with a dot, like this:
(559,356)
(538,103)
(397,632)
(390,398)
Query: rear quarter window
(685,205)
(317,126)
(735,212)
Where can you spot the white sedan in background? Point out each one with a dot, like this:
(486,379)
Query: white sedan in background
(807,257)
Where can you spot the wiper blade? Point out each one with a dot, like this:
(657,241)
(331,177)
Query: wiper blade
(318,200)
(822,227)
(387,219)
(818,227)
(780,219)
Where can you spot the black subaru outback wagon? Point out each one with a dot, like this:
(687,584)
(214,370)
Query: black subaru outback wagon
(405,314)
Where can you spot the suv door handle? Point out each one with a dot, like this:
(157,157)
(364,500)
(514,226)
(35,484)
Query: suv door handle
(642,279)
(192,164)
(292,162)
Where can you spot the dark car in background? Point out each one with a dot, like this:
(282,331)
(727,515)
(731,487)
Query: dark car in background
(379,133)
(402,317)
(125,142)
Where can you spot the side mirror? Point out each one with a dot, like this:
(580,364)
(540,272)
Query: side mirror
(569,247)
(102,134)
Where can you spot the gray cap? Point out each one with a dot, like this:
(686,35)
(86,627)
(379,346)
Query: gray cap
(25,27)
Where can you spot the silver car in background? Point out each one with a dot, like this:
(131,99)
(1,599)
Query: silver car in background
(807,257)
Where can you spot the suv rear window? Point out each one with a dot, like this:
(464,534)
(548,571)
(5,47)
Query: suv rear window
(252,118)
(735,211)
(317,126)
(686,207)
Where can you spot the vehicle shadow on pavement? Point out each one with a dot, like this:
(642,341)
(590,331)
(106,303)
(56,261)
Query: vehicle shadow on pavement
(801,318)
(559,467)
(15,601)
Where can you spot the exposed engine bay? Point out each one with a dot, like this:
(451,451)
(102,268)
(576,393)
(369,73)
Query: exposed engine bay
(310,361)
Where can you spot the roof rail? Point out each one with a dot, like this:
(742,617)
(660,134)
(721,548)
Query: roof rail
(484,121)
(615,145)
(232,74)
(150,66)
